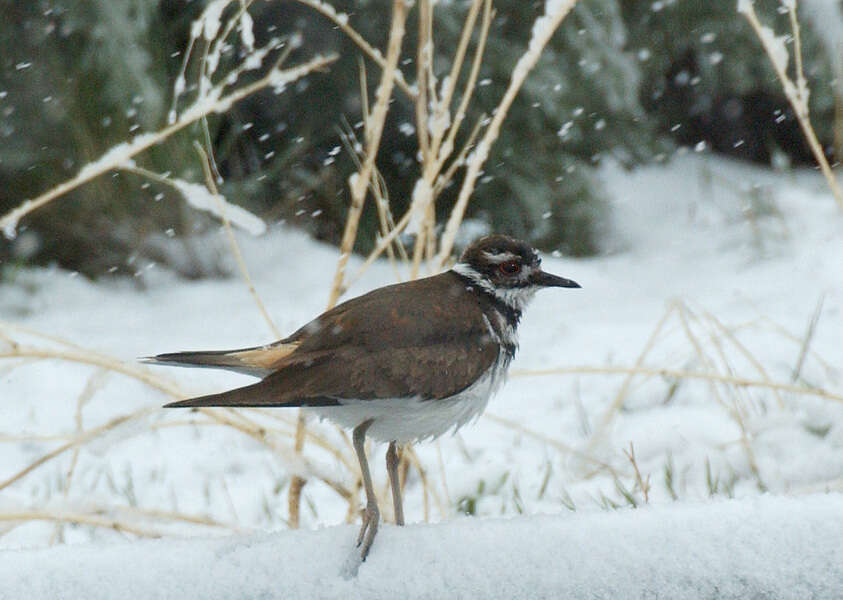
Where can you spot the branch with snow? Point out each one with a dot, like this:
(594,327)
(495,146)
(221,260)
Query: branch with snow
(797,92)
(199,197)
(212,97)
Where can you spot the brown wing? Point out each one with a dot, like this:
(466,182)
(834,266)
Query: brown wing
(412,339)
(426,311)
(421,372)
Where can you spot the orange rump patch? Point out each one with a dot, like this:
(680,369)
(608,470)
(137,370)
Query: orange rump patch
(265,357)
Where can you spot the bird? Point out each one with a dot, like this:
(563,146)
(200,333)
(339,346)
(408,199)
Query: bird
(400,364)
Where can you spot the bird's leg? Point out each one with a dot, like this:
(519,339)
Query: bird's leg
(371,514)
(392,461)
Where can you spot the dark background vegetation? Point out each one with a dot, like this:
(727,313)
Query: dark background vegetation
(624,81)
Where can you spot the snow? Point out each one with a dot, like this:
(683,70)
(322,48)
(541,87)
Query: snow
(247,34)
(726,263)
(745,6)
(760,548)
(421,198)
(200,198)
(210,19)
(776,47)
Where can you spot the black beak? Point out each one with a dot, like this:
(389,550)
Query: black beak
(547,280)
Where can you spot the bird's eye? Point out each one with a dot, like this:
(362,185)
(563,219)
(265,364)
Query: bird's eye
(509,267)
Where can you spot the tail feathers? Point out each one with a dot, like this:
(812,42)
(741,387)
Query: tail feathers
(254,396)
(259,361)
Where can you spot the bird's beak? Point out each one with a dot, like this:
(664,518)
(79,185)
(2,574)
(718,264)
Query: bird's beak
(548,280)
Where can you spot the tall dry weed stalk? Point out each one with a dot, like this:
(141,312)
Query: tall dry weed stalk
(795,87)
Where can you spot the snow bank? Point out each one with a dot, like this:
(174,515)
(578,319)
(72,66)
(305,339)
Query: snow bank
(763,547)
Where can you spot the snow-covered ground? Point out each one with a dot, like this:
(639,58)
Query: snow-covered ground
(713,274)
(771,547)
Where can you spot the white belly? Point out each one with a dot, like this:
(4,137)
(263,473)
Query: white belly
(412,419)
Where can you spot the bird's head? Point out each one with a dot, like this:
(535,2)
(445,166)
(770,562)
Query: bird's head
(508,268)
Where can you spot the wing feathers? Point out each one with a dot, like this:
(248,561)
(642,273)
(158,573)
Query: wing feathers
(249,396)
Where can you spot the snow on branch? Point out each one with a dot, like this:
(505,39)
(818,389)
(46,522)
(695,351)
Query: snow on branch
(797,92)
(215,94)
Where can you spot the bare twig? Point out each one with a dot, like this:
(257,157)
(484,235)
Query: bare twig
(610,412)
(797,93)
(564,448)
(82,519)
(97,360)
(743,350)
(806,342)
(678,374)
(643,483)
(77,441)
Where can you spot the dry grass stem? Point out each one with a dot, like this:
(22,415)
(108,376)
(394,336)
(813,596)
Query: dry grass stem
(612,410)
(124,519)
(301,466)
(428,490)
(435,127)
(643,483)
(92,386)
(232,240)
(554,443)
(359,182)
(806,343)
(341,21)
(541,36)
(702,357)
(378,188)
(441,462)
(77,441)
(800,340)
(471,82)
(97,360)
(678,374)
(297,483)
(81,519)
(797,93)
(753,360)
(383,244)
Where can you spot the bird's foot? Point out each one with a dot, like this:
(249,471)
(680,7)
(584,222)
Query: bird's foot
(371,517)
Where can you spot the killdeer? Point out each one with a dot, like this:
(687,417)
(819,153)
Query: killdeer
(400,364)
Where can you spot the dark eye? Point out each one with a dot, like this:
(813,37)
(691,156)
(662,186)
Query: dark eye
(510,267)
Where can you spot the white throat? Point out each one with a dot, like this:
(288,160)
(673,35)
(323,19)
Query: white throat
(516,298)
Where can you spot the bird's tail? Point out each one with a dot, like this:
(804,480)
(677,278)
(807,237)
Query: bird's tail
(259,361)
